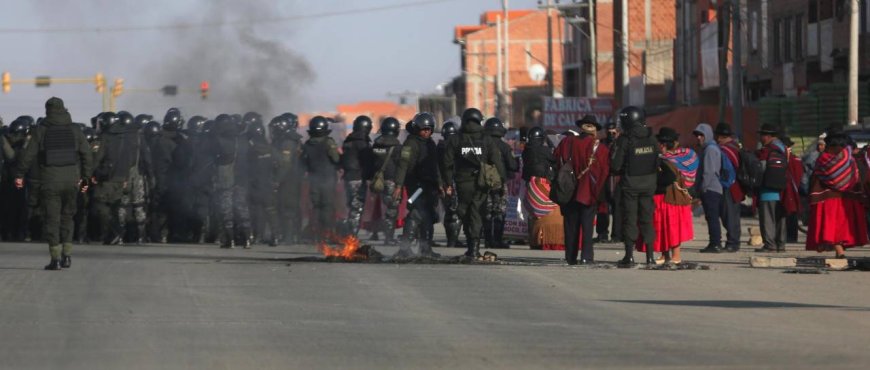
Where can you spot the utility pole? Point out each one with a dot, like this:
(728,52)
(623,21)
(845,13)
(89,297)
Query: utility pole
(723,23)
(593,48)
(853,63)
(551,87)
(737,68)
(506,81)
(620,52)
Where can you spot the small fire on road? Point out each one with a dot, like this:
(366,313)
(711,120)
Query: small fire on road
(348,249)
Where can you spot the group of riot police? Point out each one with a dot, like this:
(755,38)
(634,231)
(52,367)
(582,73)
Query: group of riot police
(237,180)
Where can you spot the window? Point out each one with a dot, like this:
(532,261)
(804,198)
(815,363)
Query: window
(813,11)
(826,9)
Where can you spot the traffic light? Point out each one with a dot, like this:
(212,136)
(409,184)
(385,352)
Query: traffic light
(118,88)
(203,89)
(43,81)
(100,82)
(7,82)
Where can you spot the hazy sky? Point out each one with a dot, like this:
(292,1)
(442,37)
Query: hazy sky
(331,60)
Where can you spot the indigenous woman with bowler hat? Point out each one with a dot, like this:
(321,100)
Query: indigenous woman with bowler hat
(837,218)
(673,203)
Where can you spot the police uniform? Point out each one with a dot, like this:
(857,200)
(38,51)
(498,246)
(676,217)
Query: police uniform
(264,187)
(14,200)
(418,171)
(320,157)
(288,145)
(64,159)
(450,202)
(356,161)
(462,163)
(636,158)
(387,151)
(496,201)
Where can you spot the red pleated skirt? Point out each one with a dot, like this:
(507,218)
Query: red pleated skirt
(836,221)
(673,225)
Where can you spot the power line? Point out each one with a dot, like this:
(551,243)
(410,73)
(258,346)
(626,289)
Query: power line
(218,24)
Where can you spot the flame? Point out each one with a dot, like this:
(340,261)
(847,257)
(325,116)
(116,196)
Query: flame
(349,245)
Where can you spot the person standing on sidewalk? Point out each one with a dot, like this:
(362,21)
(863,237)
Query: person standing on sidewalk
(709,186)
(734,195)
(774,160)
(64,158)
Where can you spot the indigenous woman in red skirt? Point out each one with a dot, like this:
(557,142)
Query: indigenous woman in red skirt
(837,218)
(673,204)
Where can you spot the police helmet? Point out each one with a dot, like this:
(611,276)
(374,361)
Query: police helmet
(292,120)
(109,119)
(142,120)
(537,133)
(495,127)
(195,124)
(318,126)
(207,126)
(90,134)
(18,126)
(125,118)
(362,124)
(390,127)
(279,125)
(256,131)
(151,129)
(631,116)
(449,129)
(173,121)
(252,118)
(422,121)
(472,115)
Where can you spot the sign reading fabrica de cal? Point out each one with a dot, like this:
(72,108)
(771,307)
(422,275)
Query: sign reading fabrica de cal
(561,113)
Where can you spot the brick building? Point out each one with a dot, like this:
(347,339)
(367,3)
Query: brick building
(651,33)
(479,44)
(789,45)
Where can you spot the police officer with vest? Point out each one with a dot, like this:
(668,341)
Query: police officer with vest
(170,173)
(496,201)
(60,149)
(321,158)
(133,202)
(387,151)
(635,158)
(356,160)
(201,183)
(288,147)
(83,204)
(450,202)
(14,199)
(225,155)
(463,160)
(418,173)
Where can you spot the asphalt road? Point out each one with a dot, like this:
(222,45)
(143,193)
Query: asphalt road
(199,307)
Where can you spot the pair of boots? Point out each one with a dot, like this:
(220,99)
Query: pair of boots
(452,230)
(473,250)
(59,258)
(493,231)
(423,248)
(628,260)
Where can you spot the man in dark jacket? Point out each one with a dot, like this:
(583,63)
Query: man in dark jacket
(418,173)
(463,160)
(356,161)
(171,169)
(635,158)
(201,184)
(288,147)
(320,157)
(496,204)
(14,199)
(65,161)
(771,214)
(229,161)
(387,150)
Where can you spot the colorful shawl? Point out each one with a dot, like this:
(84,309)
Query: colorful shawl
(538,198)
(837,171)
(687,162)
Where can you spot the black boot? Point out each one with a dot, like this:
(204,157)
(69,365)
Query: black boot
(54,265)
(650,256)
(488,239)
(628,260)
(65,261)
(473,250)
(426,249)
(227,240)
(498,234)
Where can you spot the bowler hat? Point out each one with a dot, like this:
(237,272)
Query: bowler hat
(667,134)
(768,129)
(723,129)
(588,119)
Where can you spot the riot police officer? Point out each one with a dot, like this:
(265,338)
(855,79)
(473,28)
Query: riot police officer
(288,147)
(61,150)
(321,158)
(263,185)
(635,158)
(419,174)
(14,199)
(464,158)
(133,203)
(356,161)
(83,205)
(450,202)
(201,183)
(171,169)
(496,204)
(387,150)
(226,150)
